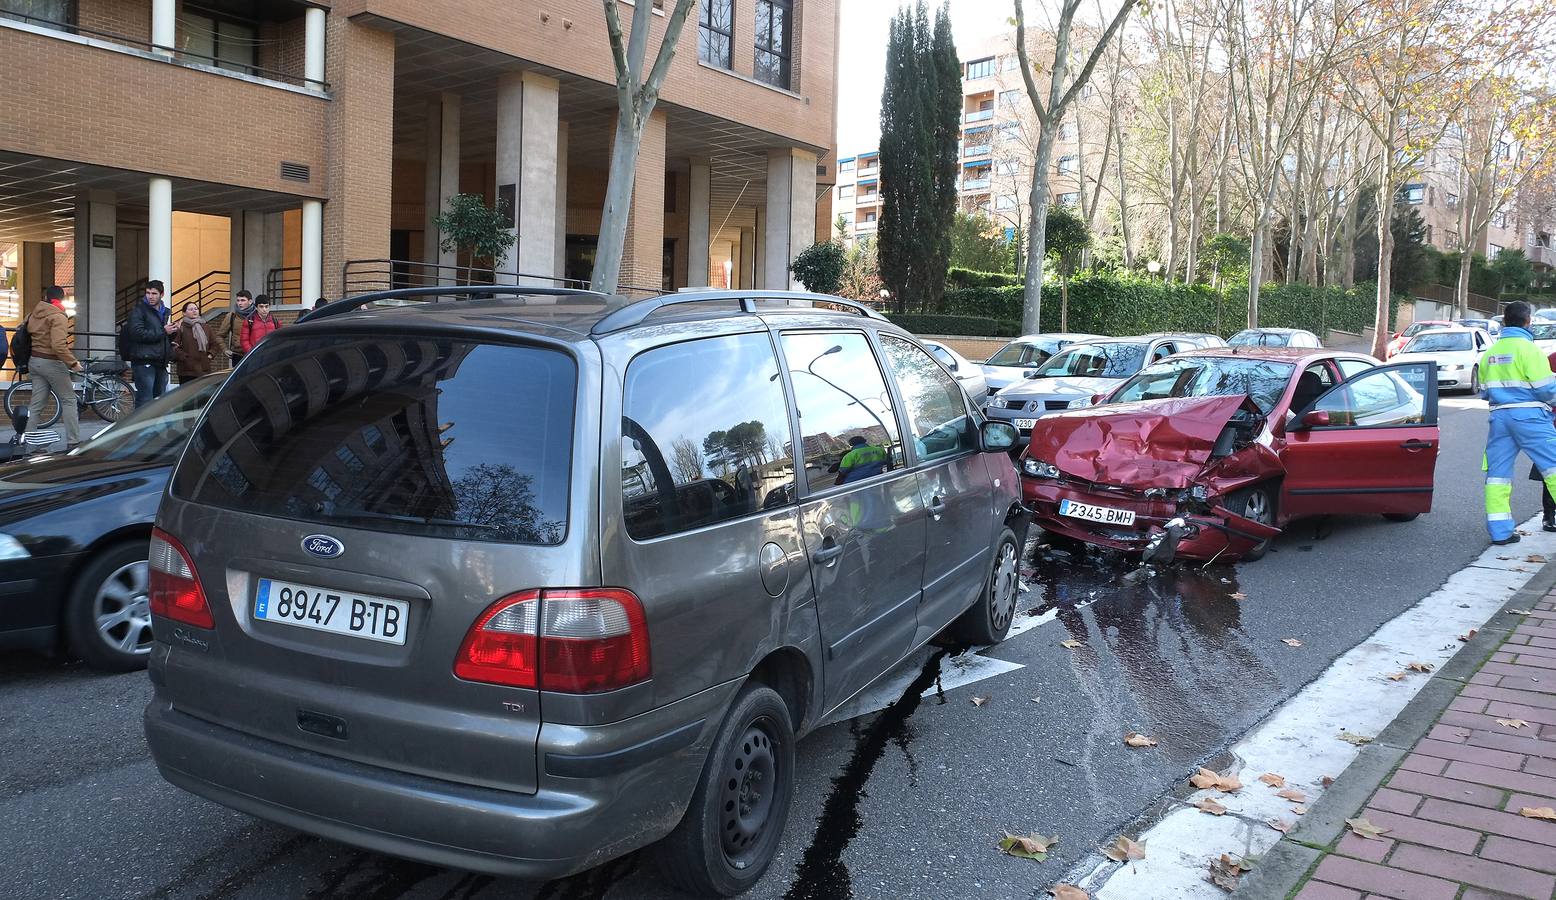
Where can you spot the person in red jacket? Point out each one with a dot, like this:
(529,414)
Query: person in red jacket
(1547,502)
(254,330)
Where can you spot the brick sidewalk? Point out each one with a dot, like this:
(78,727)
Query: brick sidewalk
(1452,806)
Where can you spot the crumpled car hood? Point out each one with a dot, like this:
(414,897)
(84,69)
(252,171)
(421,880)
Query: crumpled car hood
(1146,444)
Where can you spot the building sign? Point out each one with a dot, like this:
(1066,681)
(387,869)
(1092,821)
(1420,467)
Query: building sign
(102,242)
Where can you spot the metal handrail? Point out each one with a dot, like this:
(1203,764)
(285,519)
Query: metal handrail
(285,281)
(213,61)
(635,312)
(433,295)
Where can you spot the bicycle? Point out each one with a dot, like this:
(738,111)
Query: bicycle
(100,385)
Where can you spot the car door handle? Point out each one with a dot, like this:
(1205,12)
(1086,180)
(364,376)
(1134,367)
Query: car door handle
(829,551)
(936,506)
(1416,445)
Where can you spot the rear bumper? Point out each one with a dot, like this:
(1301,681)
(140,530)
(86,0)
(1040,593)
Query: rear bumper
(1216,533)
(566,826)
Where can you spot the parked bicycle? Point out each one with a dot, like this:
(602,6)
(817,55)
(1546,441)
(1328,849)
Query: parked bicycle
(101,386)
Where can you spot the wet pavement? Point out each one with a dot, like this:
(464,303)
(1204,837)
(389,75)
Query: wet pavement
(905,801)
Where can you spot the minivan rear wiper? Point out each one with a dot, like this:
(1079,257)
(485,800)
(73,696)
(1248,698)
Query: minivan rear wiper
(372,515)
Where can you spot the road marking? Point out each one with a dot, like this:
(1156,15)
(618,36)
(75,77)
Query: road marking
(1300,739)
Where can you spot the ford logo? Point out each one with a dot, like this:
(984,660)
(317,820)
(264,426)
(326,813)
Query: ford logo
(323,546)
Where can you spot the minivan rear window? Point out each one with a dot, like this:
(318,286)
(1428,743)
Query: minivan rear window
(417,435)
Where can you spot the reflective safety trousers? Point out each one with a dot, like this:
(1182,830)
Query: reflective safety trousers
(1513,429)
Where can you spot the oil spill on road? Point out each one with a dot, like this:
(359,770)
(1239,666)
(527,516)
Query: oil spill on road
(369,876)
(467,887)
(592,884)
(822,874)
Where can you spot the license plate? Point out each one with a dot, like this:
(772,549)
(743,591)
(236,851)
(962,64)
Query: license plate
(1024,424)
(338,612)
(1107,515)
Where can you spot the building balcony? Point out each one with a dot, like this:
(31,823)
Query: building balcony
(1542,256)
(977,150)
(864,227)
(867,199)
(978,115)
(975,184)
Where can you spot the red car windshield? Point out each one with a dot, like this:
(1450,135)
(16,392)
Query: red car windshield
(1210,376)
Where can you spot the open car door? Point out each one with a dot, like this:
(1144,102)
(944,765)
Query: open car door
(1367,445)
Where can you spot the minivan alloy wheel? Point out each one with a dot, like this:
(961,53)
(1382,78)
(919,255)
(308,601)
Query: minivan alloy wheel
(122,609)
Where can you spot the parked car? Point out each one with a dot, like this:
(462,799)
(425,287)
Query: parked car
(1398,341)
(1209,454)
(525,640)
(73,533)
(1274,337)
(968,374)
(1082,371)
(1024,354)
(1489,326)
(1544,336)
(1455,352)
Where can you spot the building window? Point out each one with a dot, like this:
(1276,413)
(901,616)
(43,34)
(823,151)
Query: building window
(1504,150)
(844,191)
(846,165)
(1067,131)
(1493,249)
(774,25)
(980,68)
(1004,202)
(1010,63)
(1067,164)
(223,42)
(1499,219)
(1009,131)
(1426,234)
(1413,193)
(715,33)
(1070,199)
(869,217)
(40,12)
(1452,240)
(1542,239)
(1009,98)
(1452,200)
(1005,167)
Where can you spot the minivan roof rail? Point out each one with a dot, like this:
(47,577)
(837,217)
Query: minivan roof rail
(635,312)
(431,294)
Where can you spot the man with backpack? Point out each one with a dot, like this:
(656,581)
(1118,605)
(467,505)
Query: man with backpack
(254,330)
(49,362)
(232,331)
(146,342)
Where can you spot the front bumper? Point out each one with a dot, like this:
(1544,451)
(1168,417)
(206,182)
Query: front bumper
(1447,379)
(32,597)
(568,825)
(1212,532)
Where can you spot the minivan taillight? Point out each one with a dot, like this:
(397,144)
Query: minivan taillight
(172,584)
(575,641)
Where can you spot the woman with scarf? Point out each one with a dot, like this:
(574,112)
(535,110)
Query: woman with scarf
(194,347)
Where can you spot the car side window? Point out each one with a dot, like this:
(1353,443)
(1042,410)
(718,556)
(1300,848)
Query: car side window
(936,407)
(1373,399)
(848,425)
(698,450)
(1162,351)
(944,356)
(1350,368)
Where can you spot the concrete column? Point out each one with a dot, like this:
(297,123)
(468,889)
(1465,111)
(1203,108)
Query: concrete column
(164,26)
(559,265)
(442,176)
(759,250)
(747,258)
(236,252)
(791,210)
(527,148)
(311,277)
(159,232)
(96,275)
(700,187)
(35,274)
(359,135)
(313,46)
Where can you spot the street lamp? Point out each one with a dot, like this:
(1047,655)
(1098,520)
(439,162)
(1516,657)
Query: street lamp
(1154,268)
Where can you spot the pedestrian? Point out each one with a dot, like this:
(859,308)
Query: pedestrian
(149,345)
(254,329)
(232,334)
(194,348)
(1547,502)
(318,303)
(1520,387)
(51,364)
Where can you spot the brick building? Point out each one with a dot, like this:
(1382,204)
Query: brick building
(302,148)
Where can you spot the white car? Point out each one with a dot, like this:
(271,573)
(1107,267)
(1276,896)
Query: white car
(969,375)
(1456,351)
(1544,336)
(1024,354)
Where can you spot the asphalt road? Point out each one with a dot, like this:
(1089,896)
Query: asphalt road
(911,800)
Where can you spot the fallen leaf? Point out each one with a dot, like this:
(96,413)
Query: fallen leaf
(1239,596)
(1070,644)
(1036,699)
(1534,558)
(979,701)
(1291,642)
(1366,829)
(1225,872)
(1470,634)
(1210,806)
(1504,557)
(1280,825)
(1029,846)
(1292,794)
(1068,892)
(1357,739)
(1206,779)
(1124,850)
(1273,780)
(1135,739)
(1519,612)
(1327,780)
(1419,666)
(1538,812)
(1513,723)
(1299,809)
(1398,676)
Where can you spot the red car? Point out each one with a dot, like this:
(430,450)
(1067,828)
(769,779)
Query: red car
(1208,454)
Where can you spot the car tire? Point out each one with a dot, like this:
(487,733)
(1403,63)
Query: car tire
(1256,503)
(1401,517)
(988,620)
(731,829)
(108,615)
(1475,381)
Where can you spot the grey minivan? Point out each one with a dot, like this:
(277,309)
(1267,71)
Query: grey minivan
(519,580)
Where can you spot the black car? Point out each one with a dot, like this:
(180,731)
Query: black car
(74,529)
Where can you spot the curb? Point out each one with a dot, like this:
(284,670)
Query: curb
(1286,865)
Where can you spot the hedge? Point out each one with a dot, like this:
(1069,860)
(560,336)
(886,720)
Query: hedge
(967,278)
(975,326)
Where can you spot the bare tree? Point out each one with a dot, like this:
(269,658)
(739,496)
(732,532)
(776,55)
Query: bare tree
(636,96)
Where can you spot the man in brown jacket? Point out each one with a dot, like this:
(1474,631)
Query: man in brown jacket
(51,364)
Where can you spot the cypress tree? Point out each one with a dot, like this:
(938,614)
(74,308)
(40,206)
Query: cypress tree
(946,112)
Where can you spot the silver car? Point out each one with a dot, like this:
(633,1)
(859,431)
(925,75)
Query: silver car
(1025,354)
(1082,371)
(967,374)
(521,587)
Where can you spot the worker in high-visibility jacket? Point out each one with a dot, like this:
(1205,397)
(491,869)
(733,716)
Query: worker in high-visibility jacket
(1516,380)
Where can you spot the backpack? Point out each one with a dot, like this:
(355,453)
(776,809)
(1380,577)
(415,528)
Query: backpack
(121,343)
(21,347)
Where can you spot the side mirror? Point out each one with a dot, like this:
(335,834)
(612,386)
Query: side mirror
(1317,418)
(1098,398)
(1029,373)
(998,436)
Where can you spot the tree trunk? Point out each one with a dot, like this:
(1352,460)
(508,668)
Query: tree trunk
(1348,248)
(1462,292)
(1037,246)
(1381,324)
(618,203)
(1196,224)
(1123,201)
(1256,254)
(1064,300)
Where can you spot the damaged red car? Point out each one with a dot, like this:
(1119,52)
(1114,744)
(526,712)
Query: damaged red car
(1208,454)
